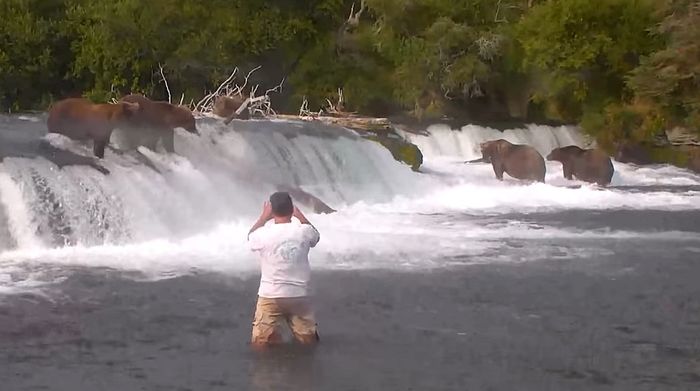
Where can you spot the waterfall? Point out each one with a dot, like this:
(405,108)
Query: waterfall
(463,143)
(160,215)
(220,176)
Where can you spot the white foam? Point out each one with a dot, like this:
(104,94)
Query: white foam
(19,221)
(474,188)
(359,237)
(659,175)
(192,211)
(443,141)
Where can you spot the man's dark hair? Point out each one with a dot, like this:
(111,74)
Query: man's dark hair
(281,204)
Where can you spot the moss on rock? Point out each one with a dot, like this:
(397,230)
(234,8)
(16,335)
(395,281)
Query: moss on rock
(402,150)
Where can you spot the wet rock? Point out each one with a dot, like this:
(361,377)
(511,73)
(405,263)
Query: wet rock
(682,136)
(306,199)
(400,149)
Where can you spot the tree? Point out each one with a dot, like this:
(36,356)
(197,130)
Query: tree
(670,77)
(582,50)
(121,43)
(33,59)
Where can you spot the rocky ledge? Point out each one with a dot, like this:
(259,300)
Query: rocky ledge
(379,130)
(677,146)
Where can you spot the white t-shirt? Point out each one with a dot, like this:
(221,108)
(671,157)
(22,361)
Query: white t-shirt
(284,258)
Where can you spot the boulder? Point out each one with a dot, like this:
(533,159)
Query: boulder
(306,199)
(682,136)
(400,149)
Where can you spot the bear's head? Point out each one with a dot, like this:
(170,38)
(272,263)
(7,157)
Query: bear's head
(564,153)
(492,148)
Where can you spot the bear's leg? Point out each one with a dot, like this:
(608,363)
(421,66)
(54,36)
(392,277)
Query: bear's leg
(100,142)
(497,168)
(98,148)
(168,139)
(568,171)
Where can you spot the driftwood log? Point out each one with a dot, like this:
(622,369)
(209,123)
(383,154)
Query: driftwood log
(362,123)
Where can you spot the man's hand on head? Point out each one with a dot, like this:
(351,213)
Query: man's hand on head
(297,213)
(265,216)
(300,216)
(266,211)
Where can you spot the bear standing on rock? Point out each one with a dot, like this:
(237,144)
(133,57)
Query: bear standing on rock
(80,119)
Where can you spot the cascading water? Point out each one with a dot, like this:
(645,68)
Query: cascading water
(220,176)
(441,140)
(164,215)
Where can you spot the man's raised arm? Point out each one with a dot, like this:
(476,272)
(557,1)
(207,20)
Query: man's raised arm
(302,219)
(265,216)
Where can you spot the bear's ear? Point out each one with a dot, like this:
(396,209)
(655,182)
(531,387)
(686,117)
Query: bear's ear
(132,107)
(501,146)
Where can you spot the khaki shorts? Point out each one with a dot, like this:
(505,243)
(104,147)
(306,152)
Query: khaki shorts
(271,314)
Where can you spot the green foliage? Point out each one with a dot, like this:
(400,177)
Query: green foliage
(30,44)
(636,122)
(669,77)
(627,69)
(586,48)
(122,42)
(439,50)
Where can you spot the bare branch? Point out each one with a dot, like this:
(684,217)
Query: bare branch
(304,108)
(354,18)
(277,88)
(228,88)
(164,80)
(205,103)
(339,106)
(239,90)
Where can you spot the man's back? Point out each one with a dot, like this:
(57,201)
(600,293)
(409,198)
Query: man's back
(283,296)
(283,250)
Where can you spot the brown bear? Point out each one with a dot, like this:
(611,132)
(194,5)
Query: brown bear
(588,165)
(226,106)
(157,121)
(519,161)
(80,119)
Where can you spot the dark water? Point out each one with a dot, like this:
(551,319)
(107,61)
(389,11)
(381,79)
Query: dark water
(625,321)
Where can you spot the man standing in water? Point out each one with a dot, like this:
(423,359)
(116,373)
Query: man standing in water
(284,294)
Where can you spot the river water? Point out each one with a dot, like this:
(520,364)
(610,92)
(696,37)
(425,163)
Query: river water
(441,279)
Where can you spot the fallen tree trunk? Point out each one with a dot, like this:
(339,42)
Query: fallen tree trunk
(361,123)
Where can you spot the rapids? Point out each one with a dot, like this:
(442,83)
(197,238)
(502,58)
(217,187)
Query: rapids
(157,216)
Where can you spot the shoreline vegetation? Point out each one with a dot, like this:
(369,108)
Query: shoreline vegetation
(625,71)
